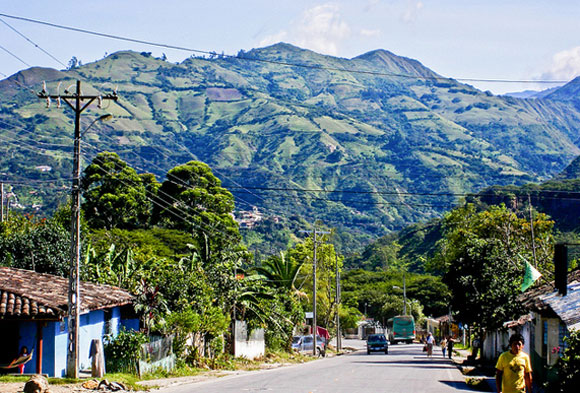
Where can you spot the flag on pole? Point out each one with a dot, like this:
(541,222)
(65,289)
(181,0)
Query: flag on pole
(530,276)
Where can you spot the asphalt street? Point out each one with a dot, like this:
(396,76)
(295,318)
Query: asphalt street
(406,369)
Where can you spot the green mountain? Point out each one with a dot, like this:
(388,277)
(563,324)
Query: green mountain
(559,198)
(367,145)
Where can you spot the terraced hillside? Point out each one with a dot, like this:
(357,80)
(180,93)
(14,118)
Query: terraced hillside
(367,145)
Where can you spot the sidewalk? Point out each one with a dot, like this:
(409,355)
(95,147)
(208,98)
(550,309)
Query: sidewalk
(476,376)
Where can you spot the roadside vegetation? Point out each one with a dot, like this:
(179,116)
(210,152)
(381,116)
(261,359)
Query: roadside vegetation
(177,248)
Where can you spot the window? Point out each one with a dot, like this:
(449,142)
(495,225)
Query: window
(544,338)
(108,328)
(562,332)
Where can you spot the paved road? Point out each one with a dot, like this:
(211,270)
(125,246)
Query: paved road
(404,370)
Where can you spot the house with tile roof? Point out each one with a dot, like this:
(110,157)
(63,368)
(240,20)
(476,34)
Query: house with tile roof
(33,314)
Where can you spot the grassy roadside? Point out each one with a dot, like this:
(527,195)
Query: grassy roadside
(225,363)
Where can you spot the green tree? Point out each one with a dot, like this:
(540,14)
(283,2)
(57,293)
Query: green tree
(115,195)
(193,200)
(281,272)
(482,256)
(27,242)
(327,261)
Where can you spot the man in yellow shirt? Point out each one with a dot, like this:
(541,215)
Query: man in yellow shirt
(513,368)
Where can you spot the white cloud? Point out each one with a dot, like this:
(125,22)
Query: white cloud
(565,65)
(370,5)
(322,28)
(412,11)
(370,33)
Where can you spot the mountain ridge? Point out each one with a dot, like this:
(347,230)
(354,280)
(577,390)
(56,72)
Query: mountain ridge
(383,144)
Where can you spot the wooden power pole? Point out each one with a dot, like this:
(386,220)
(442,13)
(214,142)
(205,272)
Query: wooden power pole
(78,103)
(315,232)
(1,202)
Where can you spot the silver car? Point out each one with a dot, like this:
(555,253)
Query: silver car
(305,343)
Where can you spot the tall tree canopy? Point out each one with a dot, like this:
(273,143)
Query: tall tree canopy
(193,200)
(35,244)
(482,258)
(115,195)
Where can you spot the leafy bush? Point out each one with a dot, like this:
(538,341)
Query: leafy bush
(568,366)
(122,352)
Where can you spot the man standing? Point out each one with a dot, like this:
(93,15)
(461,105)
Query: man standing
(513,368)
(430,342)
(450,343)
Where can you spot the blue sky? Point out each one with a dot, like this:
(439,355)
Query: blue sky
(493,39)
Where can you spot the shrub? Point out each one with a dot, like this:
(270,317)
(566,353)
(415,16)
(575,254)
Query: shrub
(122,352)
(568,366)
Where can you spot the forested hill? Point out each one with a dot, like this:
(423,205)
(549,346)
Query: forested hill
(559,198)
(367,145)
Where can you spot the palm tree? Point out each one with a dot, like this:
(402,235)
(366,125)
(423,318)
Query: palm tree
(281,273)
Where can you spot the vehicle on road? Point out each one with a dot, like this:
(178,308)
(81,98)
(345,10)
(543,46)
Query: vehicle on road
(401,329)
(377,343)
(305,344)
(297,343)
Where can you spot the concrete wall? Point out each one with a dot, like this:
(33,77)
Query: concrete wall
(250,345)
(497,341)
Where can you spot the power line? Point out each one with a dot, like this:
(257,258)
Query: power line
(310,66)
(397,193)
(16,57)
(248,189)
(33,43)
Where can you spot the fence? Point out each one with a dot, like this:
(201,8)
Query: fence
(157,354)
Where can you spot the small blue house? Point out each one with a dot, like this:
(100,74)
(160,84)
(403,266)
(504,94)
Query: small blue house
(33,313)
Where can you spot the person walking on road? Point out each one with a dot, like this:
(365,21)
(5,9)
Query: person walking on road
(430,342)
(450,342)
(513,368)
(443,346)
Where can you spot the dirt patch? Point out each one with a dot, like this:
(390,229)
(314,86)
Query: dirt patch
(223,94)
(17,387)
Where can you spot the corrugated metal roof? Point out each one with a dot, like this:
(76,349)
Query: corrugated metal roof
(567,307)
(546,299)
(27,294)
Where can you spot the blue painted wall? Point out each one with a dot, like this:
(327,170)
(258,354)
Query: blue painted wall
(92,326)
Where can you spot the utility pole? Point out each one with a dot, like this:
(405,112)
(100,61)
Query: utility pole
(314,289)
(78,103)
(338,338)
(532,229)
(404,295)
(1,202)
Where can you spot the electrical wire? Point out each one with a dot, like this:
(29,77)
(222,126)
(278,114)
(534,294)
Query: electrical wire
(433,194)
(247,188)
(16,57)
(310,66)
(33,43)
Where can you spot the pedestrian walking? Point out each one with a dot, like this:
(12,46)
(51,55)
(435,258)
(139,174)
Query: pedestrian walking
(450,342)
(443,346)
(513,369)
(430,342)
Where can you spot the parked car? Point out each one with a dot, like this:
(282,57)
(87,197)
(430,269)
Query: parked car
(305,343)
(377,342)
(297,343)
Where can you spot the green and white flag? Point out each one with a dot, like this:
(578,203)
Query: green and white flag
(530,276)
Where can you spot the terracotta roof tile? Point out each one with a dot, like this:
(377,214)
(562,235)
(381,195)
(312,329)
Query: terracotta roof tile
(28,294)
